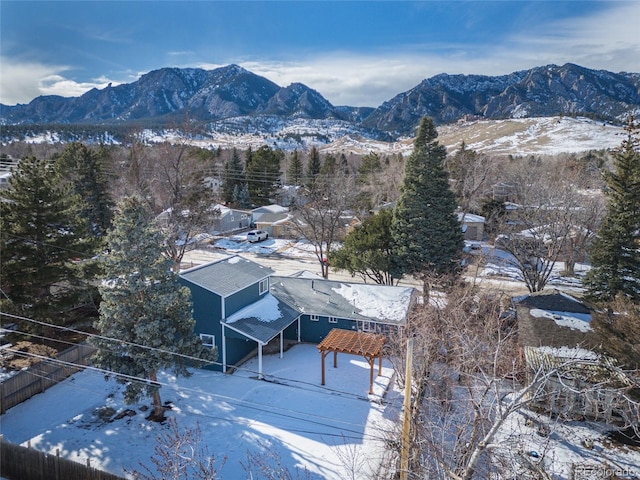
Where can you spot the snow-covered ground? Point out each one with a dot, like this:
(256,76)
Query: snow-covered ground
(289,415)
(333,432)
(515,136)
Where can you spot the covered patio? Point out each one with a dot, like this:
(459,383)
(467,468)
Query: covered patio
(261,322)
(364,344)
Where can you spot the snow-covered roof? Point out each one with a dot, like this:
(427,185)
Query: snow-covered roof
(262,320)
(274,208)
(365,302)
(471,218)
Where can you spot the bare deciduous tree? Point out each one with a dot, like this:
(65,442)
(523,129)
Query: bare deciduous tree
(319,215)
(469,383)
(179,454)
(552,222)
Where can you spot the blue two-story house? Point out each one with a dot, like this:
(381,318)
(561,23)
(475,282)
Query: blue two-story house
(239,305)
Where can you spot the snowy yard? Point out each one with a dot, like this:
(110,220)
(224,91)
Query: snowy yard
(306,426)
(332,432)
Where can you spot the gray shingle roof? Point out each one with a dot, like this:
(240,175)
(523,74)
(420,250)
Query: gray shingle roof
(228,275)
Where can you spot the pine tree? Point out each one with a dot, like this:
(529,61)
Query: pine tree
(295,171)
(367,250)
(263,174)
(86,170)
(426,232)
(369,164)
(41,235)
(314,165)
(233,176)
(145,322)
(329,166)
(615,252)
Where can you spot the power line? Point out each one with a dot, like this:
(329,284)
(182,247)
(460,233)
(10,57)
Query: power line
(280,380)
(269,409)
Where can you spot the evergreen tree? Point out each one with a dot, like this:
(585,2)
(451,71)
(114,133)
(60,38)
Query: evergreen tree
(145,322)
(344,164)
(369,164)
(427,235)
(329,166)
(367,250)
(86,170)
(295,171)
(263,174)
(41,235)
(615,252)
(314,166)
(233,176)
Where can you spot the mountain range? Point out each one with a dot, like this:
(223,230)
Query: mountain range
(235,100)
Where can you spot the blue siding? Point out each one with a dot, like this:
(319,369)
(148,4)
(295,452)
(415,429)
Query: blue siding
(238,348)
(241,299)
(314,332)
(207,312)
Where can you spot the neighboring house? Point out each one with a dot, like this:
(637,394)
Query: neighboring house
(230,219)
(277,225)
(240,307)
(504,191)
(257,213)
(5,177)
(472,226)
(555,333)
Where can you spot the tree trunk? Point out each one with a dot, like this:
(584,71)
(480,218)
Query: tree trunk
(158,409)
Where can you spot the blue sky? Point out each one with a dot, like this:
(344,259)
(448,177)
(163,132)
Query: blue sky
(357,53)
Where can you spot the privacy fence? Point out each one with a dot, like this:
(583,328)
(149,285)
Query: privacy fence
(22,463)
(39,377)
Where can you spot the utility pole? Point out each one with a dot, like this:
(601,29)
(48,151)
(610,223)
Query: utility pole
(404,452)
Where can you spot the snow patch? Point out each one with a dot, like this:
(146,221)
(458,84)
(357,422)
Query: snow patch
(574,321)
(266,310)
(377,301)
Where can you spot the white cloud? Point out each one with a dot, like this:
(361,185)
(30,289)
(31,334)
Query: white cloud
(604,40)
(59,85)
(21,82)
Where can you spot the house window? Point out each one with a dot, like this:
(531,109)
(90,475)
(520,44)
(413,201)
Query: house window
(333,320)
(368,327)
(208,341)
(264,286)
(315,318)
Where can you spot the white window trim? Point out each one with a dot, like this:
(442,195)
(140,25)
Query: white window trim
(368,326)
(314,318)
(333,320)
(263,286)
(208,340)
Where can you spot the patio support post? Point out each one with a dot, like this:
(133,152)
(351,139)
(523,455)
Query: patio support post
(224,351)
(281,343)
(335,359)
(298,329)
(380,365)
(371,367)
(260,376)
(322,355)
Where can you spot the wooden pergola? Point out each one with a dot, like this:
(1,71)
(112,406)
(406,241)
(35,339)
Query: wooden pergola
(367,345)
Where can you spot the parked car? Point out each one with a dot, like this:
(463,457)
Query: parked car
(257,236)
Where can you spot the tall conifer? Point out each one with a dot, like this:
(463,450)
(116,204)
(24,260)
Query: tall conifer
(145,322)
(41,236)
(427,235)
(615,252)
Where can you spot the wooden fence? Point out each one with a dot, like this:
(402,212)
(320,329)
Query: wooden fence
(45,374)
(22,463)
